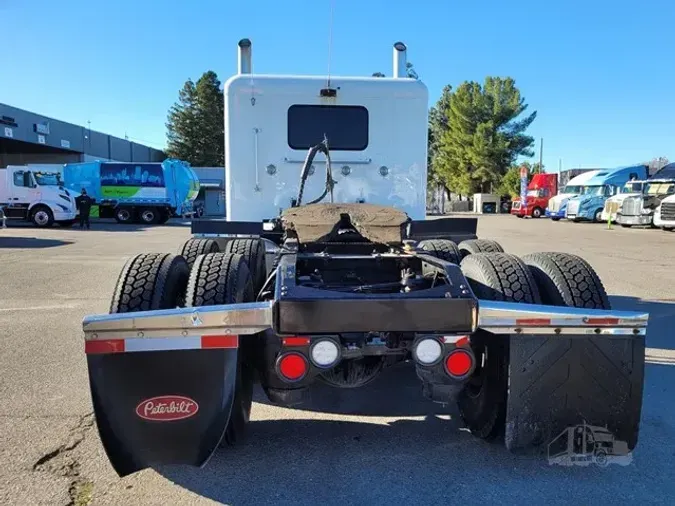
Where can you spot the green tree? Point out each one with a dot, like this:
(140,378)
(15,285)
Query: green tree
(480,135)
(195,131)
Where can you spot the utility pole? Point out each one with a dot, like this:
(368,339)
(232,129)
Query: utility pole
(541,156)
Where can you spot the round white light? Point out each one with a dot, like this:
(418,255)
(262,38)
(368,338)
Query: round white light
(324,353)
(428,351)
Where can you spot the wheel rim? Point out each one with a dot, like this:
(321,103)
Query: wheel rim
(536,213)
(123,215)
(148,216)
(41,218)
(598,216)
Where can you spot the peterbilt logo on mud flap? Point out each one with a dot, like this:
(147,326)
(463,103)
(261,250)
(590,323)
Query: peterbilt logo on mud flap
(167,408)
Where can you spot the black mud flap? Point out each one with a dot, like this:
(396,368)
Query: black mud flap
(162,407)
(560,383)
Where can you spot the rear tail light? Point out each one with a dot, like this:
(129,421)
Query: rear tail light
(292,366)
(428,351)
(324,353)
(459,363)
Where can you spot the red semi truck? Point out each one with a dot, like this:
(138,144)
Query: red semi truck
(541,188)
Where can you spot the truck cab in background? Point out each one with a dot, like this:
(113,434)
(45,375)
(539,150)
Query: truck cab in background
(664,214)
(588,206)
(557,205)
(540,189)
(640,208)
(36,193)
(613,204)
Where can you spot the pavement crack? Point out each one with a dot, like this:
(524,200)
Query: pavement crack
(61,462)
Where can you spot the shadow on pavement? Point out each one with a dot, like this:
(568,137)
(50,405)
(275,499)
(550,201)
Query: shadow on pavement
(295,459)
(105,225)
(661,317)
(30,243)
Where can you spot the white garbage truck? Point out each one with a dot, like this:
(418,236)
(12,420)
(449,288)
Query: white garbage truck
(35,193)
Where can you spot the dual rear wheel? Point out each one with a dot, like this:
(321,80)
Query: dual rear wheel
(208,277)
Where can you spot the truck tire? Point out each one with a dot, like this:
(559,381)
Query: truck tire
(498,277)
(124,215)
(472,246)
(597,216)
(442,248)
(150,281)
(537,212)
(149,215)
(224,278)
(253,251)
(42,216)
(192,248)
(598,380)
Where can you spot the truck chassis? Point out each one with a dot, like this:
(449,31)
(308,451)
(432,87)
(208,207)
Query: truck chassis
(526,347)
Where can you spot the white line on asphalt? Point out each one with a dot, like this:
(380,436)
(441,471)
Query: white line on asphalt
(38,308)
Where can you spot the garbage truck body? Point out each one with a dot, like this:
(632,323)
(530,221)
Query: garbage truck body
(147,193)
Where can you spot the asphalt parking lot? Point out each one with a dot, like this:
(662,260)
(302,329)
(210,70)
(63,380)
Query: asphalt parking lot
(383,444)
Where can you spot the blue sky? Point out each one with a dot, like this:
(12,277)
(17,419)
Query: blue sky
(598,72)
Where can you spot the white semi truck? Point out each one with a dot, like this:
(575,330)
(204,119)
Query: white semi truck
(325,269)
(35,193)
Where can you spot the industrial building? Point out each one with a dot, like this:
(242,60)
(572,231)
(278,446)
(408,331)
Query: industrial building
(212,190)
(27,137)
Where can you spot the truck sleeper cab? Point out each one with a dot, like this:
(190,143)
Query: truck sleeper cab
(589,205)
(326,269)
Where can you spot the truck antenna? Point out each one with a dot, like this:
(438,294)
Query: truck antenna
(330,38)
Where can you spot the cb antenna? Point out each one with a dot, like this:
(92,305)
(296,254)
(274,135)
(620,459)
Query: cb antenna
(330,38)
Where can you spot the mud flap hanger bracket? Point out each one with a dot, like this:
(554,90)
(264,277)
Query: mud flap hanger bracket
(254,317)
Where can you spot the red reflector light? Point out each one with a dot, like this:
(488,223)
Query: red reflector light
(532,321)
(459,363)
(105,346)
(601,321)
(292,366)
(295,341)
(220,342)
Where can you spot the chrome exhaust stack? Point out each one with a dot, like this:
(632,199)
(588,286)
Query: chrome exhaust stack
(400,60)
(244,59)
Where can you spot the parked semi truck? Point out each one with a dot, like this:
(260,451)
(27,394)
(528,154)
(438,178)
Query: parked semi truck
(325,269)
(540,189)
(589,204)
(639,208)
(664,214)
(613,204)
(36,193)
(147,193)
(557,205)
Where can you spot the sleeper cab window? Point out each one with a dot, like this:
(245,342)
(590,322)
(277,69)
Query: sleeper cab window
(345,126)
